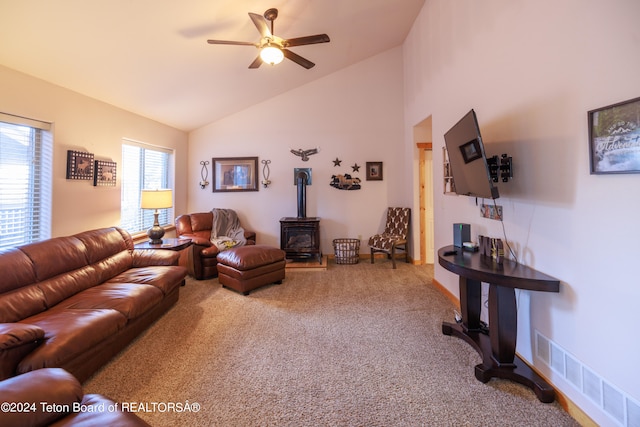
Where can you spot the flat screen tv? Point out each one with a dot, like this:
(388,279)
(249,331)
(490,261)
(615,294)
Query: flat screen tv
(467,159)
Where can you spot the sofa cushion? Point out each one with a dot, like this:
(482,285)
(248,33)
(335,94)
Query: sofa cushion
(165,278)
(202,221)
(130,299)
(56,256)
(68,333)
(103,243)
(21,303)
(113,265)
(63,286)
(17,270)
(19,298)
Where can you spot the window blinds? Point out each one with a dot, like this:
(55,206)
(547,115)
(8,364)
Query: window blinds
(143,168)
(25,180)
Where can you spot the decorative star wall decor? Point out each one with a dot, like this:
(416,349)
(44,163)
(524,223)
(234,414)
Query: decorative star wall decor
(355,167)
(336,162)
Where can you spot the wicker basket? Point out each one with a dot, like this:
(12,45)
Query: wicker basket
(347,251)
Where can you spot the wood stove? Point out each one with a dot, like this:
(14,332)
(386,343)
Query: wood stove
(300,236)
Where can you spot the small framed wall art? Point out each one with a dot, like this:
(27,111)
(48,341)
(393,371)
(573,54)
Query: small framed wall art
(79,165)
(235,174)
(374,171)
(614,138)
(105,174)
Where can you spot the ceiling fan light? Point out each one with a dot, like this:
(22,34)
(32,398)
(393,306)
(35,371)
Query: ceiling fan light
(271,55)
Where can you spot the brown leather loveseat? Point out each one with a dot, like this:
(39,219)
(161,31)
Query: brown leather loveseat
(52,396)
(201,259)
(74,302)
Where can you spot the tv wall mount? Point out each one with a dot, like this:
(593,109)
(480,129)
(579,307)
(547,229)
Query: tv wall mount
(500,168)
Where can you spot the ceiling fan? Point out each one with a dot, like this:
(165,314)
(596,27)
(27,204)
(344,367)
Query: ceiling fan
(273,49)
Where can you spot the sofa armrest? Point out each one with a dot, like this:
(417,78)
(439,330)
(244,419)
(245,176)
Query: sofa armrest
(196,239)
(147,257)
(16,341)
(14,335)
(104,416)
(25,392)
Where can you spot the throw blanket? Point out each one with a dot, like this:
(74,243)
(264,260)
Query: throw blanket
(226,232)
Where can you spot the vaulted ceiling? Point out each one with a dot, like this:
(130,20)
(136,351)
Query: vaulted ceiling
(151,57)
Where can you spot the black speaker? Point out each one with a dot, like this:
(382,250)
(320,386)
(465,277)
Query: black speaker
(461,234)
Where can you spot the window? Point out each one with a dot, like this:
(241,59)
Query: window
(144,167)
(25,181)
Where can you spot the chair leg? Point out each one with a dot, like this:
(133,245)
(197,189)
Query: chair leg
(371,255)
(393,256)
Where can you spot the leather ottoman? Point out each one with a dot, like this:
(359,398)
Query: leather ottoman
(246,268)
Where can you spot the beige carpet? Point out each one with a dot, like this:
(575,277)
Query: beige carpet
(355,345)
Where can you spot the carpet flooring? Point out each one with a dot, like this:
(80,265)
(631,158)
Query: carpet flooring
(354,345)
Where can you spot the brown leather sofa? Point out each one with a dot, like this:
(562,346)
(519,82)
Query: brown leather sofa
(201,259)
(74,302)
(54,397)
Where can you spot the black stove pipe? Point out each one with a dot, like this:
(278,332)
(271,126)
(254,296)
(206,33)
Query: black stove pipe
(302,178)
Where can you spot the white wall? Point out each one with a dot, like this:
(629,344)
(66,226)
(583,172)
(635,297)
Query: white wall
(355,115)
(85,124)
(532,70)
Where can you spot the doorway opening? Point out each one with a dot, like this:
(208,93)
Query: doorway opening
(422,137)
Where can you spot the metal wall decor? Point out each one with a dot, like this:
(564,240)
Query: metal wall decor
(105,173)
(265,172)
(79,165)
(304,154)
(204,174)
(345,182)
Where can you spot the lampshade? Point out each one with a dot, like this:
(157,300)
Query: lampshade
(271,55)
(156,199)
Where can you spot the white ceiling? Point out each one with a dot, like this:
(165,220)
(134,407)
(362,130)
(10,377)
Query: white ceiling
(151,56)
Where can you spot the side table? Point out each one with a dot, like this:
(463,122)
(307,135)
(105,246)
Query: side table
(170,244)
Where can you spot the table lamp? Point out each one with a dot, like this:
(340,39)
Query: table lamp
(156,199)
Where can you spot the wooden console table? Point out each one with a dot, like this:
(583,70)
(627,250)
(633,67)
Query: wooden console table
(498,347)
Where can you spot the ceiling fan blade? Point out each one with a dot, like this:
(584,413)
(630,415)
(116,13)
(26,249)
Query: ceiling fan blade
(261,24)
(299,41)
(256,62)
(232,42)
(298,59)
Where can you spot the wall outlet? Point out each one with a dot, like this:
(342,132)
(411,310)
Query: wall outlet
(491,211)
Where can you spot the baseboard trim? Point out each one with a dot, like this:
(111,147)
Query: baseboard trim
(567,404)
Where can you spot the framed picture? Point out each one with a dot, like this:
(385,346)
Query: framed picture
(374,171)
(235,174)
(614,138)
(105,173)
(79,165)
